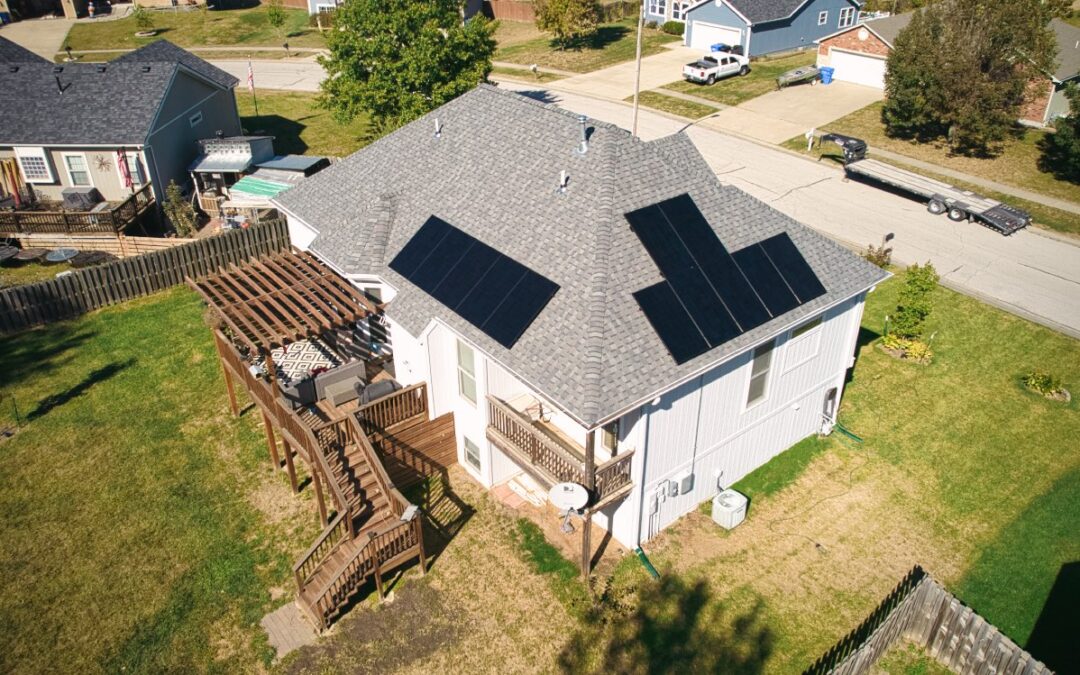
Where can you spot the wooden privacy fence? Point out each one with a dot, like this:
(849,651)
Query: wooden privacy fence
(509,10)
(122,246)
(921,610)
(88,289)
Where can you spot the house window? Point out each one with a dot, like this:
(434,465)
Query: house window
(609,436)
(34,165)
(472,453)
(759,373)
(195,119)
(77,171)
(678,10)
(806,327)
(847,17)
(658,7)
(822,18)
(466,368)
(135,169)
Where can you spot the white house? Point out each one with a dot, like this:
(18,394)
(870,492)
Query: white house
(591,307)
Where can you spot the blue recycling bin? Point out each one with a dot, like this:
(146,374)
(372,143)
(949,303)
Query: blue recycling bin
(827,74)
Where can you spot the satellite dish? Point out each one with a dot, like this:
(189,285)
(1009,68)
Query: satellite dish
(569,496)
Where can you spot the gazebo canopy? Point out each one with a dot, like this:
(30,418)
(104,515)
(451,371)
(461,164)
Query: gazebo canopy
(282,298)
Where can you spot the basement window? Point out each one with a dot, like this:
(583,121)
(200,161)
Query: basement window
(472,453)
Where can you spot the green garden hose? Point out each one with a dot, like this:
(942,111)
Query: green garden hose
(646,563)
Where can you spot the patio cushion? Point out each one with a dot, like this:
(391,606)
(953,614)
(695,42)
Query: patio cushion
(341,392)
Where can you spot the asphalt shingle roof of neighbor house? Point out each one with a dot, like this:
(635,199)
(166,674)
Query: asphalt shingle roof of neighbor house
(110,103)
(1068,39)
(762,11)
(889,27)
(494,172)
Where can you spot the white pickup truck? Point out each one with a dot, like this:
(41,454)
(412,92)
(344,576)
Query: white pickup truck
(712,67)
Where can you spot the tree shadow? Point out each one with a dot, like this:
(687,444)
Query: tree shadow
(40,351)
(674,626)
(540,95)
(56,400)
(286,132)
(1053,639)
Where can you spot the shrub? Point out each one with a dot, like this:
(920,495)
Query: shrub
(673,27)
(143,20)
(179,210)
(571,22)
(911,349)
(1042,382)
(651,25)
(916,301)
(878,255)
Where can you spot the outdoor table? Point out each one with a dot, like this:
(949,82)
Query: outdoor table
(8,252)
(61,255)
(29,254)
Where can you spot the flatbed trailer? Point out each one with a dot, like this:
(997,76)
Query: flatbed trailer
(957,204)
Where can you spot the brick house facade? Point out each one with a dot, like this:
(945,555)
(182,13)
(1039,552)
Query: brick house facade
(855,40)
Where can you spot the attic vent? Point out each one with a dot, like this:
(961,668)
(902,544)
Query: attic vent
(58,69)
(101,68)
(146,69)
(13,69)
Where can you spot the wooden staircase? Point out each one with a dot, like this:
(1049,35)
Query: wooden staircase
(373,531)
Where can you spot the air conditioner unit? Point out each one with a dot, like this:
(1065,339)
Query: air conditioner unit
(729,509)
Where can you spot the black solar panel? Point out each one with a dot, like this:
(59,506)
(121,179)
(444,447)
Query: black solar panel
(710,296)
(497,294)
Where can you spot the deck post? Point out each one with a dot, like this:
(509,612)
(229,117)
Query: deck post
(590,484)
(271,442)
(319,494)
(289,463)
(420,543)
(228,378)
(378,577)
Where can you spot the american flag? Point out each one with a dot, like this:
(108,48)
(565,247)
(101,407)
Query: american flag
(251,79)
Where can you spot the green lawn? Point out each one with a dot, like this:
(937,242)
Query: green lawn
(524,75)
(16,275)
(298,125)
(738,89)
(1042,215)
(670,104)
(615,43)
(130,539)
(1017,165)
(199,28)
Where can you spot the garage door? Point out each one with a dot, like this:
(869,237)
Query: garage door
(858,68)
(704,35)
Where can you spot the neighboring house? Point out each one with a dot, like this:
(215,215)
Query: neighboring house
(759,26)
(548,297)
(67,124)
(858,54)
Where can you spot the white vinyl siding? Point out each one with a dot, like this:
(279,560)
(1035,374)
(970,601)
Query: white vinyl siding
(34,165)
(466,367)
(77,170)
(759,373)
(804,345)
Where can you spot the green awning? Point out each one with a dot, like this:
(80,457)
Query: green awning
(258,187)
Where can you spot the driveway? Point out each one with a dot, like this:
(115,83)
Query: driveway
(617,82)
(44,37)
(1028,274)
(298,74)
(786,113)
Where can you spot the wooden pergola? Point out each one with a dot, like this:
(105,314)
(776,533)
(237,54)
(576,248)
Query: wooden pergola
(271,302)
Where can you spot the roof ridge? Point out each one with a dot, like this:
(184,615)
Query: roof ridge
(597,308)
(552,107)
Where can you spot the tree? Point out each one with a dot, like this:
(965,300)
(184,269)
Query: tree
(961,67)
(179,210)
(572,22)
(915,302)
(1061,149)
(275,16)
(397,60)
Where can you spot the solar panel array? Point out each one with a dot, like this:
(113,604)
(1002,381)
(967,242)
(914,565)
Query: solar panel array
(493,292)
(708,295)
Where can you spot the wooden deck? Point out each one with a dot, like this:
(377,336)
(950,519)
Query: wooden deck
(414,452)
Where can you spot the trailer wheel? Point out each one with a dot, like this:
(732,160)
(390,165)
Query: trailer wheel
(711,79)
(935,207)
(957,215)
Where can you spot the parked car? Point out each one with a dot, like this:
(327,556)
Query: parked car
(712,67)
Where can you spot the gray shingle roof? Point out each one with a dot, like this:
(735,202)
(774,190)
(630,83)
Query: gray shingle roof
(112,103)
(163,51)
(889,27)
(494,174)
(762,11)
(1068,39)
(13,53)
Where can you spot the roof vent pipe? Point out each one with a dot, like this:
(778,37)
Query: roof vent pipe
(584,147)
(438,128)
(564,181)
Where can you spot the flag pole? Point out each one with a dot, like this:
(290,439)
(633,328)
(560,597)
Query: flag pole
(251,86)
(637,58)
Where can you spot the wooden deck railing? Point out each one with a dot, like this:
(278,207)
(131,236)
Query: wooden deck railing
(401,406)
(508,427)
(398,503)
(114,220)
(537,447)
(331,538)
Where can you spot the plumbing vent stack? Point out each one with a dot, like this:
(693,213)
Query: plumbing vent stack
(584,147)
(438,128)
(564,180)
